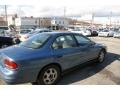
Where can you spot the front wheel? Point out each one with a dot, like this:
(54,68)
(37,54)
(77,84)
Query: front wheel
(49,75)
(101,56)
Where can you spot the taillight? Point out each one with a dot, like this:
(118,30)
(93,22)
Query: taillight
(10,64)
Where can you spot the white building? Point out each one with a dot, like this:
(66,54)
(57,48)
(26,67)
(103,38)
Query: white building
(43,22)
(59,22)
(26,22)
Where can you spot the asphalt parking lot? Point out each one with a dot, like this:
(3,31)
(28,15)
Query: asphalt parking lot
(107,73)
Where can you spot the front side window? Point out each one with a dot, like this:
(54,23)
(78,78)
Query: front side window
(36,41)
(64,42)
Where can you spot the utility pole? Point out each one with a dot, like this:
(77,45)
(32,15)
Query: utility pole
(64,12)
(110,20)
(6,17)
(40,22)
(92,21)
(64,16)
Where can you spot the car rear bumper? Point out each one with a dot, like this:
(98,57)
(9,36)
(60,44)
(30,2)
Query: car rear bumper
(7,77)
(17,77)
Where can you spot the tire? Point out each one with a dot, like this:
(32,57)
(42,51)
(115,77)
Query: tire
(108,35)
(101,56)
(48,76)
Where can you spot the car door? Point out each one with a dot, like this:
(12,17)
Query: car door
(65,51)
(87,47)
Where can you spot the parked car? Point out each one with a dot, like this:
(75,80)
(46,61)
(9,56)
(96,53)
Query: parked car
(75,30)
(106,33)
(2,32)
(117,34)
(32,33)
(84,32)
(22,34)
(43,58)
(6,41)
(93,32)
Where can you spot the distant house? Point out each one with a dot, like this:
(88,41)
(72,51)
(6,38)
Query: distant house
(41,22)
(59,22)
(25,22)
(32,22)
(3,23)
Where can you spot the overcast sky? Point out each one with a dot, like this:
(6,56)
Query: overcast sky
(56,7)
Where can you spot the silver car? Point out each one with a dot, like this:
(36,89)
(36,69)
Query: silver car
(117,34)
(106,33)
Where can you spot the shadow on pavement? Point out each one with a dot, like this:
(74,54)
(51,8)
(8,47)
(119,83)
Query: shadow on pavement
(90,70)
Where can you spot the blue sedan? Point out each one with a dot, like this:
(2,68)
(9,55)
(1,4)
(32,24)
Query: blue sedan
(44,57)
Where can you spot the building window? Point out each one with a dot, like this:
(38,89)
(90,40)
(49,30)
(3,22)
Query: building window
(41,21)
(55,22)
(59,22)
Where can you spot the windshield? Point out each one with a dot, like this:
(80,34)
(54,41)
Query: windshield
(35,41)
(2,32)
(117,31)
(105,30)
(77,29)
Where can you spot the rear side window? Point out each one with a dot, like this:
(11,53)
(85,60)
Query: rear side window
(82,40)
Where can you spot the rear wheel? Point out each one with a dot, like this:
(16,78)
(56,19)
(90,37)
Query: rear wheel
(108,35)
(49,75)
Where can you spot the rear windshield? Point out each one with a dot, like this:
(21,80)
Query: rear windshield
(32,32)
(36,41)
(24,31)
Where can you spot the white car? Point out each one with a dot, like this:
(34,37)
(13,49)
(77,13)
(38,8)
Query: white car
(75,30)
(116,34)
(23,34)
(34,32)
(106,33)
(84,32)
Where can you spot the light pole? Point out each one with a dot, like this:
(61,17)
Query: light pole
(110,19)
(6,14)
(92,21)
